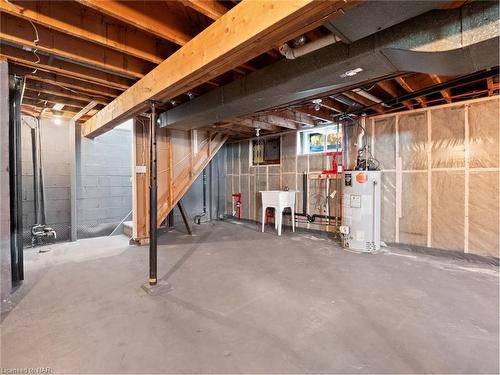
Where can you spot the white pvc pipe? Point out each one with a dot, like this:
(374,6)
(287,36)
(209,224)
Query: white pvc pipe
(292,53)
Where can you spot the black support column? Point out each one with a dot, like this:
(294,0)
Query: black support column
(153,207)
(15,180)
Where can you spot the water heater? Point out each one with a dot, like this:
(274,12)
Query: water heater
(361,210)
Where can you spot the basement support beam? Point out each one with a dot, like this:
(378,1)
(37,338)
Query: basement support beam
(243,40)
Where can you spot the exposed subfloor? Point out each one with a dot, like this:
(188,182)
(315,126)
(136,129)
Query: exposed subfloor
(249,302)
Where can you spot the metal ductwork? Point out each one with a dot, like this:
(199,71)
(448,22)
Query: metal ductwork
(468,42)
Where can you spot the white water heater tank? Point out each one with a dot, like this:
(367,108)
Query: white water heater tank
(361,210)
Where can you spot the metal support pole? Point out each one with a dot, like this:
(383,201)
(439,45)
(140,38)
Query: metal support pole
(152,200)
(184,217)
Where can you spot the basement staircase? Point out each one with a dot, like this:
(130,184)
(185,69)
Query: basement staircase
(181,157)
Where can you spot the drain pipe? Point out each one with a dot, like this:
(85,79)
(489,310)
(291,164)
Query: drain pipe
(293,53)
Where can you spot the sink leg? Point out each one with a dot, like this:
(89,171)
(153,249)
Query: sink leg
(293,219)
(263,218)
(278,218)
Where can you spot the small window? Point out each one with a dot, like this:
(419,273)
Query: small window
(266,151)
(327,139)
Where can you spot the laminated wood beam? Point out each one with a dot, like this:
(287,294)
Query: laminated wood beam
(18,31)
(89,26)
(62,67)
(214,10)
(245,37)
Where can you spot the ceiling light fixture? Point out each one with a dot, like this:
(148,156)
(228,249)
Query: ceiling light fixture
(351,73)
(317,104)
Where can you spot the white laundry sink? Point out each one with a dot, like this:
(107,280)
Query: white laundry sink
(279,200)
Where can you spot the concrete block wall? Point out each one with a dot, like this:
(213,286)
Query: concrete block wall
(56,176)
(104,186)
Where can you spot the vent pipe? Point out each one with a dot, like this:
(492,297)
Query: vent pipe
(293,53)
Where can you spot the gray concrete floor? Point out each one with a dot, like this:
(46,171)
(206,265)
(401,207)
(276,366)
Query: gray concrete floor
(249,302)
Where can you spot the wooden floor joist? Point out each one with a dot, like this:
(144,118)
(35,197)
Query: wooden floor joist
(244,38)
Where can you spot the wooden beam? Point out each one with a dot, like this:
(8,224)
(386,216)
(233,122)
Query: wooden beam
(71,85)
(84,111)
(444,93)
(405,85)
(61,92)
(89,26)
(62,67)
(256,124)
(37,102)
(62,96)
(148,17)
(333,105)
(492,86)
(322,114)
(295,118)
(278,21)
(390,87)
(275,119)
(210,8)
(21,32)
(214,10)
(364,101)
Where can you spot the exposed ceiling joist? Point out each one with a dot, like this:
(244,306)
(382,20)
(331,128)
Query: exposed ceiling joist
(144,16)
(390,87)
(58,92)
(277,121)
(364,101)
(296,117)
(20,32)
(321,114)
(62,67)
(210,8)
(89,26)
(445,93)
(38,102)
(492,86)
(257,124)
(68,84)
(278,22)
(408,88)
(333,105)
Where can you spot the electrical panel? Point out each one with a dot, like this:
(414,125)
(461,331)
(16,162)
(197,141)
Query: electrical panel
(361,210)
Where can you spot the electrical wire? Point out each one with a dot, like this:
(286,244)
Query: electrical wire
(35,42)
